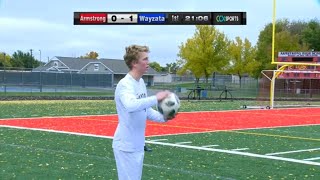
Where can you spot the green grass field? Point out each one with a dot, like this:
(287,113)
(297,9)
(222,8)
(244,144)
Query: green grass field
(30,154)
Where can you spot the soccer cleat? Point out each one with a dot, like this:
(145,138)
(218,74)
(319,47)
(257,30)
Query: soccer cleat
(147,149)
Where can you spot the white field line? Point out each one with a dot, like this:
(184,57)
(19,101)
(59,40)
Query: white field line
(63,132)
(186,146)
(312,159)
(289,152)
(238,153)
(239,149)
(188,142)
(157,140)
(213,145)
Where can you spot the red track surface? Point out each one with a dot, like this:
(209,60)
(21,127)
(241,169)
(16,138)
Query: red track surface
(183,123)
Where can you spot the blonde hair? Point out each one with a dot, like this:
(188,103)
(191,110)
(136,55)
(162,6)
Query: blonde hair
(132,54)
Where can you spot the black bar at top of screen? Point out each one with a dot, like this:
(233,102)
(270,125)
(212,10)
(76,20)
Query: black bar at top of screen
(172,18)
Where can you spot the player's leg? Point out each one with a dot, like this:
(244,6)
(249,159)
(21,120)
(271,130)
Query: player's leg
(129,164)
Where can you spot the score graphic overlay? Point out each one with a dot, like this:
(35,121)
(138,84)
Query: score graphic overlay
(122,18)
(160,18)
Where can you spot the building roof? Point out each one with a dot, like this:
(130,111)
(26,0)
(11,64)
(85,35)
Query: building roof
(75,63)
(117,66)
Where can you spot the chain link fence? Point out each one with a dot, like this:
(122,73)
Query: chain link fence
(15,81)
(25,82)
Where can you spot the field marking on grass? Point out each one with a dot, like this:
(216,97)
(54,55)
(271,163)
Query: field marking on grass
(239,149)
(244,129)
(289,152)
(285,114)
(275,135)
(213,145)
(312,159)
(238,153)
(188,142)
(157,140)
(182,146)
(55,131)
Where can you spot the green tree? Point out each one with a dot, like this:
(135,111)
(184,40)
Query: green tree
(311,35)
(172,67)
(242,58)
(204,53)
(287,38)
(24,60)
(156,66)
(90,55)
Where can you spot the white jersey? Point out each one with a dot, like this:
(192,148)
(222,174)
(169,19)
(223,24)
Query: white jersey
(133,108)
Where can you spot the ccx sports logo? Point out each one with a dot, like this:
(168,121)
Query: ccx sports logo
(223,18)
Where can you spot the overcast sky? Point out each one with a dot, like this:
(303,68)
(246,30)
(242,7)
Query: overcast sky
(47,25)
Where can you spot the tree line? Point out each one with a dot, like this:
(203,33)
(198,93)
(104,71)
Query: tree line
(210,51)
(19,59)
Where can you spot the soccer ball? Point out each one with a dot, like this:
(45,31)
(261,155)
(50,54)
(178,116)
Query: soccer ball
(169,106)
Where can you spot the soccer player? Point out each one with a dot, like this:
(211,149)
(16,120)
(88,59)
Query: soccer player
(134,107)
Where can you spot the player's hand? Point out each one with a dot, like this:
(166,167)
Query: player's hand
(162,95)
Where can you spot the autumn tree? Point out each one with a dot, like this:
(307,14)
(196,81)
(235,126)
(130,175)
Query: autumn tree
(204,53)
(90,55)
(5,60)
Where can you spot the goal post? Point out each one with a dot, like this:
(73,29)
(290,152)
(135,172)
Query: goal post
(289,87)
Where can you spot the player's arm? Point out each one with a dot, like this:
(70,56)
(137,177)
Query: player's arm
(155,116)
(131,103)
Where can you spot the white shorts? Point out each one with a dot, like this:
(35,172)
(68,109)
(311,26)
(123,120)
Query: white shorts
(129,164)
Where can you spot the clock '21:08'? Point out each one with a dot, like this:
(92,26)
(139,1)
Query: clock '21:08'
(160,18)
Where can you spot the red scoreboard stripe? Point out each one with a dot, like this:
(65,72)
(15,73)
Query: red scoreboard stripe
(88,18)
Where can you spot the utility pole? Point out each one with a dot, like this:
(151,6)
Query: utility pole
(40,54)
(31,57)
